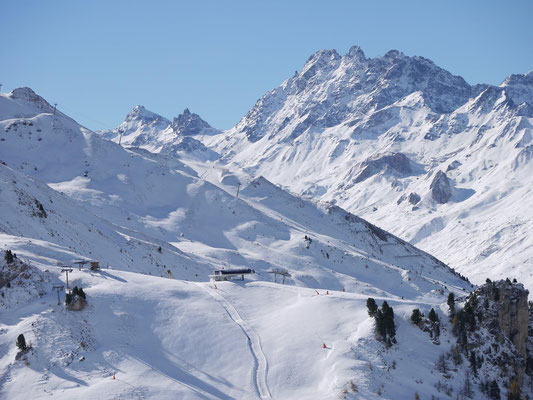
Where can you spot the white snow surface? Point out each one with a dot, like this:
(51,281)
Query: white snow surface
(168,339)
(67,193)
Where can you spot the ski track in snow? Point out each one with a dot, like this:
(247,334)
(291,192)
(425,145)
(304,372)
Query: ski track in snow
(254,343)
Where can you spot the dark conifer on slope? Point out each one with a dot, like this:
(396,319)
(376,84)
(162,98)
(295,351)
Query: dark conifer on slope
(21,342)
(416,316)
(385,326)
(372,307)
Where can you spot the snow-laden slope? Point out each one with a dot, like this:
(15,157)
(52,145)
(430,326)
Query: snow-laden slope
(136,210)
(66,194)
(376,136)
(170,339)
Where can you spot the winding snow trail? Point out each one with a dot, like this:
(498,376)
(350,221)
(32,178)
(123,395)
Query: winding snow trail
(254,343)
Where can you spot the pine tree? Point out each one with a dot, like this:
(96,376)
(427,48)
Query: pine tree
(68,298)
(437,330)
(416,317)
(494,391)
(380,325)
(473,363)
(21,342)
(372,307)
(514,391)
(441,364)
(78,291)
(469,317)
(433,316)
(467,388)
(388,316)
(451,304)
(9,257)
(456,355)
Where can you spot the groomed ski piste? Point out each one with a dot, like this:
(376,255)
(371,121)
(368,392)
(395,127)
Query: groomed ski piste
(146,337)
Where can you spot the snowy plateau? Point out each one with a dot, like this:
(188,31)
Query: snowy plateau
(385,178)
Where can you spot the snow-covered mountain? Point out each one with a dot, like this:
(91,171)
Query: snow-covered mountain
(407,145)
(150,131)
(67,193)
(402,141)
(132,202)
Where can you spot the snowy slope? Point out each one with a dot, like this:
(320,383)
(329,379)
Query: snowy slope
(372,135)
(67,193)
(133,202)
(170,339)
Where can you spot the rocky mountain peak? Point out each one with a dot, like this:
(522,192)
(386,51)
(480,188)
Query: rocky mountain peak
(330,90)
(141,114)
(27,95)
(393,54)
(189,123)
(519,87)
(355,52)
(322,56)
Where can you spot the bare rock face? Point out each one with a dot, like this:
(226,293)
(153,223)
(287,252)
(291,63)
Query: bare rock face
(9,272)
(396,162)
(453,166)
(513,315)
(413,198)
(506,316)
(441,189)
(189,123)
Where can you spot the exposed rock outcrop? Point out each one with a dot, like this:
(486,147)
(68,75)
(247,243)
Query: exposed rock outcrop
(496,327)
(11,271)
(453,165)
(189,123)
(413,198)
(441,189)
(397,162)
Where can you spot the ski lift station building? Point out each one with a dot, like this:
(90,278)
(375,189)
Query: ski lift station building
(230,274)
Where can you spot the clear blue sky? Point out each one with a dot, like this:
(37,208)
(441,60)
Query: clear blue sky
(98,59)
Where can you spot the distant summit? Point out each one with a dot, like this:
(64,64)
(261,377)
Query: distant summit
(145,129)
(332,89)
(189,123)
(139,113)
